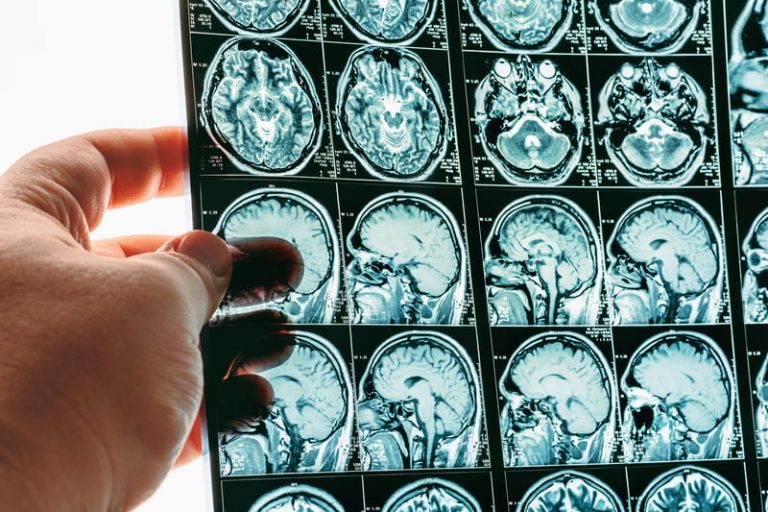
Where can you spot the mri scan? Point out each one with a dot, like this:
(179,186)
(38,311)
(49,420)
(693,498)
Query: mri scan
(665,264)
(530,121)
(262,18)
(560,403)
(419,405)
(754,291)
(293,216)
(654,123)
(297,498)
(748,72)
(690,488)
(543,265)
(681,403)
(391,114)
(310,425)
(386,21)
(570,491)
(648,26)
(260,106)
(431,495)
(529,25)
(416,277)
(761,414)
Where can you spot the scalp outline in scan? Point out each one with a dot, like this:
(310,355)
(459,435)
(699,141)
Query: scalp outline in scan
(431,495)
(690,488)
(387,22)
(297,498)
(761,411)
(754,289)
(570,491)
(267,19)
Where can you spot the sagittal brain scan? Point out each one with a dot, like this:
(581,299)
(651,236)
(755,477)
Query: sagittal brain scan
(681,401)
(310,425)
(654,123)
(260,106)
(386,21)
(570,491)
(530,121)
(293,216)
(391,114)
(560,402)
(761,414)
(297,498)
(666,264)
(416,277)
(419,405)
(543,265)
(690,488)
(431,495)
(656,26)
(532,25)
(260,17)
(754,291)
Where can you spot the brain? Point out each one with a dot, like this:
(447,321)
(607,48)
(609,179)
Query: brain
(261,16)
(386,21)
(431,495)
(570,491)
(648,25)
(530,121)
(523,24)
(654,121)
(391,114)
(297,498)
(261,107)
(690,488)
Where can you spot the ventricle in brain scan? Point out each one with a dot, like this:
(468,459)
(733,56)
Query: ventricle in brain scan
(409,262)
(261,107)
(386,21)
(532,25)
(543,265)
(570,491)
(431,495)
(654,123)
(761,414)
(419,405)
(263,18)
(297,498)
(530,121)
(666,264)
(657,26)
(754,291)
(690,488)
(297,218)
(560,403)
(391,114)
(310,424)
(681,403)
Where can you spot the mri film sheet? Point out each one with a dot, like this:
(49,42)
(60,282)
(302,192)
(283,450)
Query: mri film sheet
(309,494)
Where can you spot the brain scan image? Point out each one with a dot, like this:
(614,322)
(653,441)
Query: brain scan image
(409,263)
(386,21)
(754,291)
(681,403)
(297,218)
(654,123)
(431,495)
(391,115)
(530,121)
(690,488)
(529,25)
(761,414)
(570,491)
(419,405)
(309,427)
(543,265)
(560,403)
(648,26)
(297,498)
(261,17)
(260,106)
(665,264)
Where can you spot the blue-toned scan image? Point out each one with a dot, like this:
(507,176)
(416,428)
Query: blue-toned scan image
(570,491)
(261,107)
(263,17)
(386,22)
(761,413)
(754,290)
(297,498)
(432,495)
(690,488)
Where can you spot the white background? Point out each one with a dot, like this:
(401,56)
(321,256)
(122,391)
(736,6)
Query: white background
(78,65)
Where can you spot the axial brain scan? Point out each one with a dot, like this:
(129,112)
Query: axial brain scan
(681,401)
(531,25)
(690,488)
(761,414)
(570,491)
(654,123)
(416,277)
(666,264)
(560,403)
(391,114)
(297,218)
(656,26)
(543,265)
(386,21)
(419,405)
(260,17)
(530,121)
(431,495)
(297,498)
(754,291)
(260,106)
(310,425)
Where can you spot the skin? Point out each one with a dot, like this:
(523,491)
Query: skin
(100,374)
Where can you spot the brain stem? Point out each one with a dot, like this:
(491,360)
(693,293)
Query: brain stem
(425,410)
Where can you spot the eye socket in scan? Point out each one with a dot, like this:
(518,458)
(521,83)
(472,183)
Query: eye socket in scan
(690,488)
(262,18)
(297,498)
(570,491)
(431,495)
(754,290)
(386,21)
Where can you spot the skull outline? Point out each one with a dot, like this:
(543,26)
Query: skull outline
(228,20)
(652,498)
(288,496)
(754,294)
(463,500)
(761,411)
(365,35)
(563,480)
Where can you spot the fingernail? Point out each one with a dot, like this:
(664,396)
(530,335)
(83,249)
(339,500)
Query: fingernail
(208,249)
